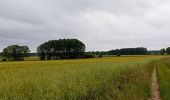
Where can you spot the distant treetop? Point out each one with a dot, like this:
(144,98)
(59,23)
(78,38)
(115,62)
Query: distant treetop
(61,49)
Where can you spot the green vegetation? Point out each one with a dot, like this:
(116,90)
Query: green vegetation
(128,51)
(121,78)
(168,50)
(162,51)
(61,49)
(15,52)
(163,68)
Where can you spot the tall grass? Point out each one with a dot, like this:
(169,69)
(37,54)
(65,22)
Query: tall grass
(163,68)
(118,78)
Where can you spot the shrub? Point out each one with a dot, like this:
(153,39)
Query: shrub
(4,59)
(100,55)
(89,55)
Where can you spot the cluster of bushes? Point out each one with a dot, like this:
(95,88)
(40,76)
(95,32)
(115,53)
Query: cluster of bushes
(89,55)
(164,51)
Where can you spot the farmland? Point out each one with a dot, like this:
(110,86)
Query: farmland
(120,78)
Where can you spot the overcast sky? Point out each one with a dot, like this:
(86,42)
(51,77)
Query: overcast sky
(100,24)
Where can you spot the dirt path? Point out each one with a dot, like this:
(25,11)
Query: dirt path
(155,95)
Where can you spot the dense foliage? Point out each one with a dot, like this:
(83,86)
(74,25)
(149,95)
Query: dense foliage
(133,51)
(114,52)
(15,52)
(128,51)
(61,49)
(162,51)
(101,52)
(168,50)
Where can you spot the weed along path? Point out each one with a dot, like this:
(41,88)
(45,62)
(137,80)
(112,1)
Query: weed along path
(155,95)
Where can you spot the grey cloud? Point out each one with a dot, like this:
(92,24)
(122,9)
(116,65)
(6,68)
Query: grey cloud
(100,24)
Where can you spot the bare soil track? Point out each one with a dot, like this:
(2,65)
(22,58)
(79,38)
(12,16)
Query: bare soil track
(155,95)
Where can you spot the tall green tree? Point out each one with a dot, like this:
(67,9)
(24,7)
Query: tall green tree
(61,49)
(162,51)
(16,52)
(168,50)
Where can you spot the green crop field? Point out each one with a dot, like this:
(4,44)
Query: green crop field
(107,78)
(164,78)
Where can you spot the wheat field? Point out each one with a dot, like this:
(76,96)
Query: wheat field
(107,78)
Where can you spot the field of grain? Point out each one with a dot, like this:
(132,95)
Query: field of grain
(107,78)
(163,68)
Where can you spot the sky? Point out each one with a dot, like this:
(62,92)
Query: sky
(99,24)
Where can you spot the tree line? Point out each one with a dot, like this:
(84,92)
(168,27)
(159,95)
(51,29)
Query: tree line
(51,50)
(128,51)
(123,51)
(67,49)
(133,51)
